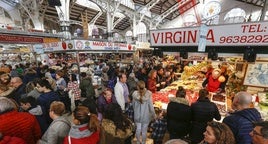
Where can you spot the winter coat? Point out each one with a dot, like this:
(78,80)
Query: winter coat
(179,116)
(203,111)
(34,93)
(132,84)
(240,123)
(12,140)
(111,135)
(80,134)
(151,85)
(20,124)
(143,112)
(87,89)
(45,100)
(102,103)
(38,113)
(56,132)
(30,75)
(18,93)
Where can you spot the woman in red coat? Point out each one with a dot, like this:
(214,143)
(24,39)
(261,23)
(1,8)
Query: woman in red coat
(11,140)
(86,128)
(151,83)
(18,124)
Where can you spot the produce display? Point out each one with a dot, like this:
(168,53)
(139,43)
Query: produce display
(190,71)
(161,98)
(221,102)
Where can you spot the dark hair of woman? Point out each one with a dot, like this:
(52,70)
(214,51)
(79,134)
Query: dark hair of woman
(90,104)
(73,77)
(203,94)
(115,114)
(83,74)
(44,83)
(83,115)
(181,92)
(141,89)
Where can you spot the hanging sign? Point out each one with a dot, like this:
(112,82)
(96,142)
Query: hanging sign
(19,39)
(100,45)
(202,38)
(244,34)
(38,48)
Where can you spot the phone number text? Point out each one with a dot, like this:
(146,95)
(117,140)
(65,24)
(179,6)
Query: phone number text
(244,39)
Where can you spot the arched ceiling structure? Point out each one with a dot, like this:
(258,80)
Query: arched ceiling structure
(147,11)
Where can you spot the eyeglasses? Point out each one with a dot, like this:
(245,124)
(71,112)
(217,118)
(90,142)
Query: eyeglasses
(254,132)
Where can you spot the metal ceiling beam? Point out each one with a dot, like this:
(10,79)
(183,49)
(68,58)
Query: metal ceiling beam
(150,5)
(131,13)
(264,9)
(77,18)
(96,17)
(159,18)
(117,21)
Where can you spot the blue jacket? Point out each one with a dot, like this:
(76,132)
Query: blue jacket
(44,100)
(240,123)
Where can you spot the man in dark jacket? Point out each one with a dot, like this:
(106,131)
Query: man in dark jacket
(240,121)
(19,89)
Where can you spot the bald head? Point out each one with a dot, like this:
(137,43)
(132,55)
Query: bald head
(176,141)
(242,99)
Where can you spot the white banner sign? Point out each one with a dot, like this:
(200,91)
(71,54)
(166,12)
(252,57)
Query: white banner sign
(99,45)
(58,46)
(245,34)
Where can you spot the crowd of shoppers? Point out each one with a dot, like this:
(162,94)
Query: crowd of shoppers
(35,108)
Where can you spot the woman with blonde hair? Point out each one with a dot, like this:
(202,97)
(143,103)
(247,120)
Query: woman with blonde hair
(85,128)
(218,133)
(143,110)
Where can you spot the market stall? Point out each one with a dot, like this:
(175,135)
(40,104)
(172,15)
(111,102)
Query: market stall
(229,45)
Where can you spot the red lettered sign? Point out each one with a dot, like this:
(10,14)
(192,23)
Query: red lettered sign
(20,39)
(245,34)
